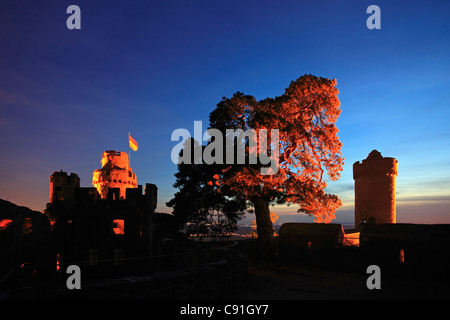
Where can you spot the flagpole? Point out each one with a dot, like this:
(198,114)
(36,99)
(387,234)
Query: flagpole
(129,153)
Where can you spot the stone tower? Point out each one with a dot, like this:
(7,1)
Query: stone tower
(375,189)
(115,173)
(62,186)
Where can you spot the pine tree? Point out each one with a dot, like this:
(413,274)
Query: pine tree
(305,117)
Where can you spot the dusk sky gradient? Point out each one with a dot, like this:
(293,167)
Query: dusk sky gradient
(150,67)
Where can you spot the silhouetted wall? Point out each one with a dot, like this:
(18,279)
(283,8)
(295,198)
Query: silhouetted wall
(62,186)
(297,240)
(415,247)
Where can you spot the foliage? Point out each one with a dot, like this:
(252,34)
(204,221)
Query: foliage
(309,145)
(199,204)
(304,117)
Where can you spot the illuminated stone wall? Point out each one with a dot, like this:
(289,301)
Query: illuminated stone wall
(375,184)
(62,186)
(115,173)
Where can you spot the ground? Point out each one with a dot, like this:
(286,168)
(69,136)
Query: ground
(271,281)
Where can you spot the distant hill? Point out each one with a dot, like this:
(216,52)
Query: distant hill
(23,221)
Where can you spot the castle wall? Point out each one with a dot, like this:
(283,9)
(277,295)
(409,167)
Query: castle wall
(110,230)
(115,159)
(420,248)
(298,240)
(63,186)
(375,187)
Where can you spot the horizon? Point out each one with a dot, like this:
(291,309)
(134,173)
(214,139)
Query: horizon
(149,68)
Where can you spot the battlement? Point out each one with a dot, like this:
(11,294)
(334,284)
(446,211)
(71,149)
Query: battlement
(62,176)
(115,173)
(375,165)
(112,158)
(62,186)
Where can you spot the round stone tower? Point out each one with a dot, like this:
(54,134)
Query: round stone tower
(115,173)
(375,189)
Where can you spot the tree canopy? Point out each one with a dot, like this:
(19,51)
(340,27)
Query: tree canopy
(199,203)
(309,145)
(303,138)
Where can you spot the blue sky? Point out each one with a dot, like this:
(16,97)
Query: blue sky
(150,67)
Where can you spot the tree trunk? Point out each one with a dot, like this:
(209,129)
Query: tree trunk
(264,227)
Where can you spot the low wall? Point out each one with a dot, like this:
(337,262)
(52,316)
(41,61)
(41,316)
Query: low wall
(407,247)
(299,240)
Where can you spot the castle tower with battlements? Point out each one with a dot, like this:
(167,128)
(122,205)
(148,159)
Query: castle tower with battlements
(62,186)
(115,173)
(375,185)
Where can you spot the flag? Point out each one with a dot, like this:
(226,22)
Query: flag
(132,143)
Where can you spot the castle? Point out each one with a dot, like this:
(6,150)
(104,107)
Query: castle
(377,237)
(109,232)
(115,173)
(112,221)
(375,189)
(63,186)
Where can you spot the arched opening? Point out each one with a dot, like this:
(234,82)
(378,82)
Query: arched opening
(372,220)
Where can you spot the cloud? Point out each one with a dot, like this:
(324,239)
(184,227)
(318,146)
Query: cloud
(424,212)
(340,187)
(12,98)
(423,199)
(8,97)
(4,122)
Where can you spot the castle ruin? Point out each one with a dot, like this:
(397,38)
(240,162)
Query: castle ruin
(112,221)
(62,186)
(375,179)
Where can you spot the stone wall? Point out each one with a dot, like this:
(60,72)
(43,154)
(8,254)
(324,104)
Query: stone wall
(297,240)
(375,185)
(62,186)
(405,246)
